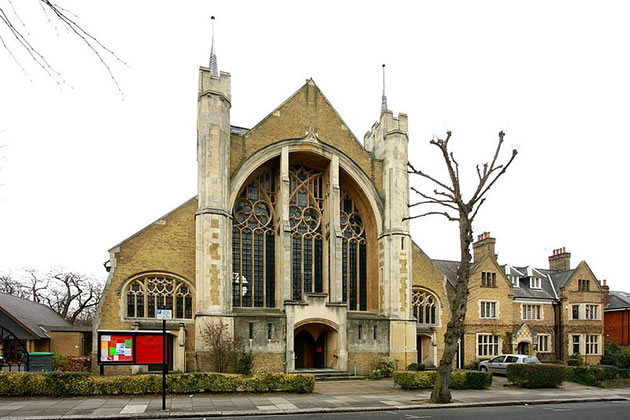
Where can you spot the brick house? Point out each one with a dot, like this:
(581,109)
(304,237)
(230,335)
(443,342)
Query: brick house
(617,318)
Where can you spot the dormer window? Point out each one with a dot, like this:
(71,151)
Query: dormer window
(535,283)
(515,281)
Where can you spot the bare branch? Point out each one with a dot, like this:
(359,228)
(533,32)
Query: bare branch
(431,213)
(477,209)
(429,177)
(485,190)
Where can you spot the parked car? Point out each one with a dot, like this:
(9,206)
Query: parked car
(500,363)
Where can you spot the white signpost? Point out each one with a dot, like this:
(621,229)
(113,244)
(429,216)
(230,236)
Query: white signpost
(164,314)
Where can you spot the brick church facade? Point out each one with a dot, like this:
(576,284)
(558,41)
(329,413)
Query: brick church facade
(297,241)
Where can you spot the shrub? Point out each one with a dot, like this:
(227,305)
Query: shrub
(609,359)
(414,380)
(387,365)
(536,376)
(460,379)
(604,372)
(575,360)
(64,384)
(623,360)
(616,383)
(624,373)
(245,363)
(470,379)
(59,362)
(417,367)
(593,375)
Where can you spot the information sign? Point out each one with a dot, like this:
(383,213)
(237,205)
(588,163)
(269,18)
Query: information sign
(149,349)
(164,314)
(116,348)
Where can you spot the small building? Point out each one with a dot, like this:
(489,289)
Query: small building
(34,327)
(617,318)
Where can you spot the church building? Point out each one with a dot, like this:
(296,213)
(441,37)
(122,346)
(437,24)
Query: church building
(297,240)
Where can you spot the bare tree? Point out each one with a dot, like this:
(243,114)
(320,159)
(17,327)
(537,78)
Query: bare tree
(17,37)
(72,295)
(222,346)
(447,200)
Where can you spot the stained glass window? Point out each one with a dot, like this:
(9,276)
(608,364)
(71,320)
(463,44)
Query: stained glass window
(253,271)
(160,292)
(354,255)
(424,307)
(306,205)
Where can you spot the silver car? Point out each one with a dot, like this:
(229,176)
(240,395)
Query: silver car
(500,363)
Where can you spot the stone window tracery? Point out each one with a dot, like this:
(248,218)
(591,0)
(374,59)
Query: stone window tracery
(157,291)
(354,255)
(253,243)
(306,203)
(424,307)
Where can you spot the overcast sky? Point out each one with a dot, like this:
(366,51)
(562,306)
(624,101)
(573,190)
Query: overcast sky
(82,169)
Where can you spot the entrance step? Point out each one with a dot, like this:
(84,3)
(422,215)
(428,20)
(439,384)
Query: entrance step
(330,374)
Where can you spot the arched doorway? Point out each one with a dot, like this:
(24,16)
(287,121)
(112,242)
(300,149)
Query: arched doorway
(314,346)
(523,348)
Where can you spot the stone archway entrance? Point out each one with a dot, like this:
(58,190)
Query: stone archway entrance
(523,348)
(314,346)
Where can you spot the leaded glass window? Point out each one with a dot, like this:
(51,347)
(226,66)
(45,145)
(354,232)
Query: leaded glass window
(159,292)
(354,255)
(306,204)
(424,307)
(253,270)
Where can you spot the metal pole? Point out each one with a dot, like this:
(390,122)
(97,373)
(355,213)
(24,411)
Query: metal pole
(164,364)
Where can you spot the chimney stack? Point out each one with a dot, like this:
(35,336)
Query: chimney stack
(484,246)
(560,260)
(606,291)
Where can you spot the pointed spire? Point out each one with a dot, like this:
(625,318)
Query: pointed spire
(384,98)
(214,69)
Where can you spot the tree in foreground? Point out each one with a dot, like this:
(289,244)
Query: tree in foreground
(447,199)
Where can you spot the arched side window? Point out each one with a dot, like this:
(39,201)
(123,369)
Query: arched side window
(150,292)
(354,255)
(253,246)
(424,306)
(306,205)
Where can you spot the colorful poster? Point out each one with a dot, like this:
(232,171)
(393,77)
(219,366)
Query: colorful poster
(116,348)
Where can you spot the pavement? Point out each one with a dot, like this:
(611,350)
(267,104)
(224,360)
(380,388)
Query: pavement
(328,397)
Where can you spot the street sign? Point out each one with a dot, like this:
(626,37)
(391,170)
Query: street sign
(164,314)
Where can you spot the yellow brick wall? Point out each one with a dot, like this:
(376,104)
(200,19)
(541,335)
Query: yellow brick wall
(166,246)
(68,343)
(306,109)
(502,294)
(571,295)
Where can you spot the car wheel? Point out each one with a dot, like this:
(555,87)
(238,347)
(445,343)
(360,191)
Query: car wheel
(483,369)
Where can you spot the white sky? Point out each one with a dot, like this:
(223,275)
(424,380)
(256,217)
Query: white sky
(83,169)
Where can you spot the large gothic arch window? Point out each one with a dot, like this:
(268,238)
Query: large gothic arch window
(306,203)
(424,305)
(149,292)
(253,247)
(354,255)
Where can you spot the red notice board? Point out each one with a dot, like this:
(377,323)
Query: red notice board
(116,348)
(149,349)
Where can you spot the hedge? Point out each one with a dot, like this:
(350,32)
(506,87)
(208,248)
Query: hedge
(593,375)
(64,384)
(460,379)
(536,376)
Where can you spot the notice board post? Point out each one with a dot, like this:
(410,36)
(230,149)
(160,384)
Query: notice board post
(164,314)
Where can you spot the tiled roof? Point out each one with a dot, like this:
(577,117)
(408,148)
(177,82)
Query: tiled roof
(31,315)
(618,300)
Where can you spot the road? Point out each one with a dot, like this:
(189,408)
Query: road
(611,410)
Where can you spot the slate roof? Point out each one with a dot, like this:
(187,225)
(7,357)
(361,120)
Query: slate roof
(618,300)
(31,315)
(240,131)
(525,291)
(449,269)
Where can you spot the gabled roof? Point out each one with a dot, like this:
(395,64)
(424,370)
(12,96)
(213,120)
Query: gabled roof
(525,291)
(618,300)
(449,269)
(559,278)
(33,317)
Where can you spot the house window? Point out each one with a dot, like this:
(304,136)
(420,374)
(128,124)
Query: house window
(592,344)
(424,307)
(515,281)
(488,279)
(592,312)
(488,310)
(487,345)
(575,311)
(575,344)
(535,283)
(253,241)
(544,341)
(156,291)
(584,285)
(532,312)
(353,255)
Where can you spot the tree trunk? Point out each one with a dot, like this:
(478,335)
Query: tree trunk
(441,392)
